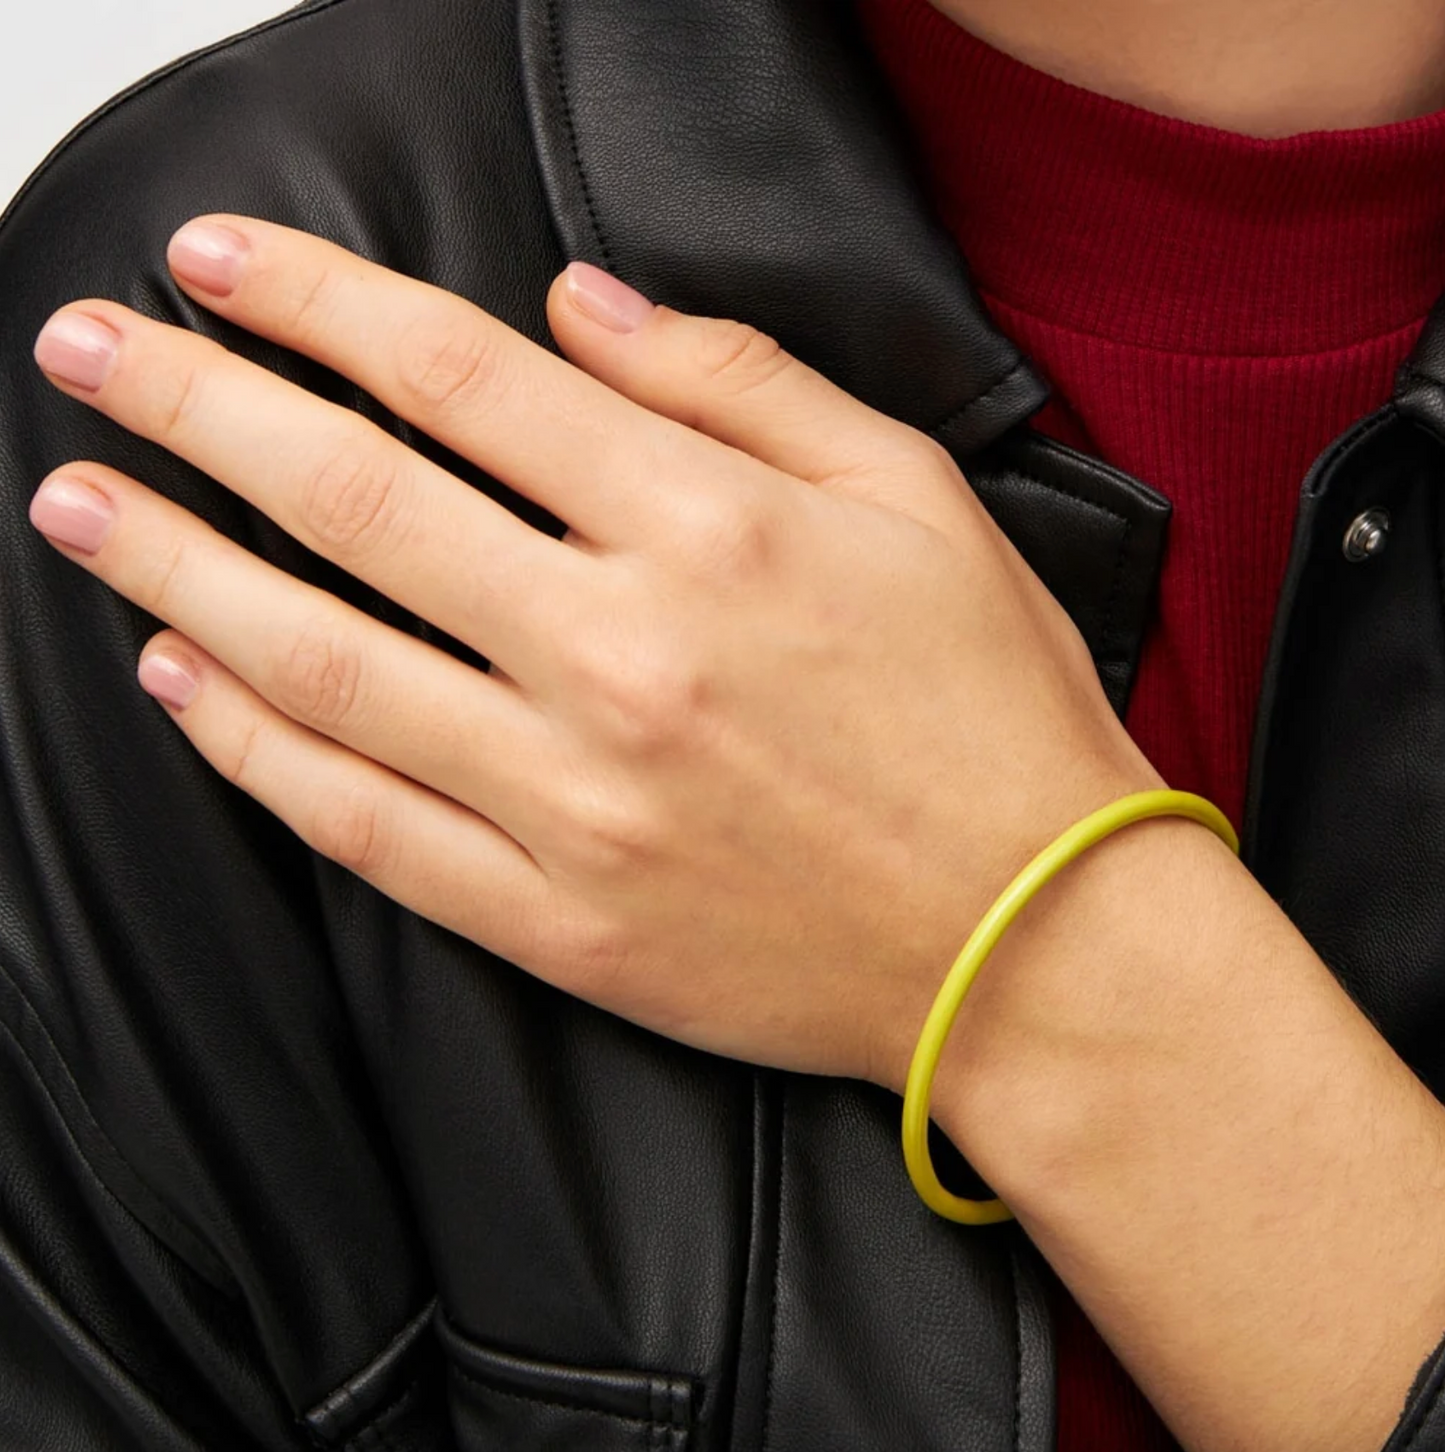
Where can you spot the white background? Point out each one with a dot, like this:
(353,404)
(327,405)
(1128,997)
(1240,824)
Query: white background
(60,59)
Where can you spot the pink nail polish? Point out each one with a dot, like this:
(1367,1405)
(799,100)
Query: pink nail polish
(209,257)
(607,299)
(72,513)
(77,349)
(168,680)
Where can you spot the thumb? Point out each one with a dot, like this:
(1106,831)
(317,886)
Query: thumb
(737,385)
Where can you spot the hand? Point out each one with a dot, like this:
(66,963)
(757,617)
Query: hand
(764,735)
(765,732)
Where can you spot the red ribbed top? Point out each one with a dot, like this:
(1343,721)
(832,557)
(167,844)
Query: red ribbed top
(1211,310)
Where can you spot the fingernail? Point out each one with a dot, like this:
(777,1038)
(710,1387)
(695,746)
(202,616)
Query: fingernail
(209,256)
(72,513)
(168,680)
(606,299)
(77,349)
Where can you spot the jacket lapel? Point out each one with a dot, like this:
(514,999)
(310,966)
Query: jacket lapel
(743,158)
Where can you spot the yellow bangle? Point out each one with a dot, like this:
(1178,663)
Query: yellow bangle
(1048,864)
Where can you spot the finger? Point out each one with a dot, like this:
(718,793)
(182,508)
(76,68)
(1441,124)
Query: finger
(321,662)
(420,848)
(330,478)
(545,428)
(737,385)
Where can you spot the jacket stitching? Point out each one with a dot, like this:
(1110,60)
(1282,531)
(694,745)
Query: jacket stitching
(376,1431)
(1078,498)
(1421,1400)
(101,1347)
(1120,557)
(1418,375)
(777,1271)
(1440,562)
(1105,653)
(567,1404)
(334,1406)
(554,45)
(1018,1355)
(963,410)
(11,1032)
(1420,1427)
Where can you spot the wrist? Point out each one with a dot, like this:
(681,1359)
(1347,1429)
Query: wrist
(1225,1163)
(1090,1001)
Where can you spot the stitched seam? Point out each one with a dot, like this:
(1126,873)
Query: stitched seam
(1118,589)
(1064,489)
(93,1338)
(554,45)
(1018,1354)
(962,410)
(1439,553)
(675,1409)
(377,1429)
(1418,1402)
(1077,497)
(1420,1425)
(563,1403)
(1417,375)
(11,1032)
(333,1405)
(777,1269)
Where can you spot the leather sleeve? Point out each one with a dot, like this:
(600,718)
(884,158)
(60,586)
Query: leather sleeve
(161,972)
(204,1240)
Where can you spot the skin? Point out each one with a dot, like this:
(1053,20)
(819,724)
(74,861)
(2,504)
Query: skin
(1262,67)
(1233,1172)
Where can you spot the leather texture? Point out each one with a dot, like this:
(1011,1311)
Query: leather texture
(1422,1428)
(286,1166)
(1348,795)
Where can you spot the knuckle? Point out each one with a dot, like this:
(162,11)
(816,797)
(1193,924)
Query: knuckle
(178,403)
(651,702)
(740,355)
(449,363)
(236,766)
(167,578)
(307,310)
(348,503)
(349,831)
(1078,656)
(613,839)
(732,539)
(592,952)
(931,467)
(928,456)
(320,679)
(908,455)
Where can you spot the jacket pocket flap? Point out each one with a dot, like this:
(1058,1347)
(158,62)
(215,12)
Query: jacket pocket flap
(505,1401)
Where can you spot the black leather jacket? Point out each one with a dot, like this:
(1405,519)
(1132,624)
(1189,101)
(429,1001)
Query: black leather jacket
(282,1165)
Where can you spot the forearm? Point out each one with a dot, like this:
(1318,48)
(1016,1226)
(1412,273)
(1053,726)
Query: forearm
(1234,1173)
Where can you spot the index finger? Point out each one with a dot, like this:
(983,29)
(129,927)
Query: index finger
(611,469)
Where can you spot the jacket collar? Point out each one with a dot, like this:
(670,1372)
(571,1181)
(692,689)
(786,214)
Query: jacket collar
(744,158)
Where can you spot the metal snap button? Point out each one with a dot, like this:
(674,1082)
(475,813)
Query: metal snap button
(1367,535)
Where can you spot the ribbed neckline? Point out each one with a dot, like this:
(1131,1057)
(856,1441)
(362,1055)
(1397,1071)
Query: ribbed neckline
(1102,217)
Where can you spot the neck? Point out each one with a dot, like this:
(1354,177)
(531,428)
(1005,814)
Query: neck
(1261,67)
